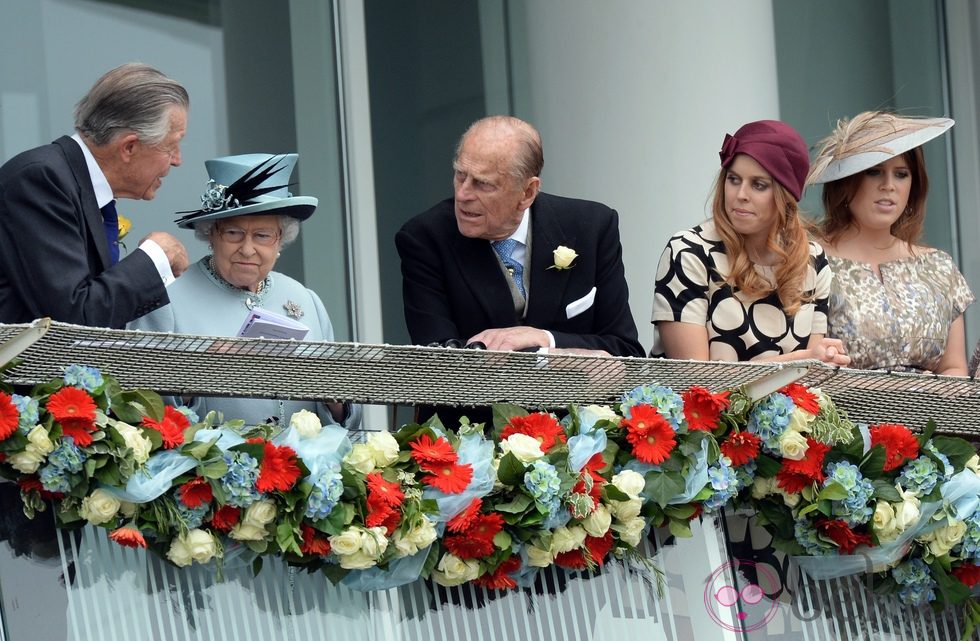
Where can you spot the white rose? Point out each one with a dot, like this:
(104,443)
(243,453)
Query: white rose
(247,532)
(974,464)
(39,438)
(793,445)
(626,510)
(260,513)
(883,522)
(629,482)
(383,447)
(99,507)
(361,458)
(135,441)
(538,557)
(907,512)
(26,462)
(943,539)
(179,553)
(347,542)
(201,545)
(453,570)
(762,488)
(603,413)
(127,509)
(566,539)
(358,561)
(597,523)
(631,532)
(424,534)
(564,257)
(799,420)
(790,500)
(525,448)
(374,541)
(403,546)
(306,423)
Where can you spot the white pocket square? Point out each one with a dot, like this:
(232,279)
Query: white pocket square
(576,307)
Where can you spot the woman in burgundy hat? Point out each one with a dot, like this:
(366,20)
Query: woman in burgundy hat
(748,284)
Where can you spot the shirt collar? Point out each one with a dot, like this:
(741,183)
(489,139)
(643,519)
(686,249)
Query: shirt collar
(520,234)
(103,192)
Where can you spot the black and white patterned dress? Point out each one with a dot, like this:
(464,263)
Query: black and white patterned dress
(691,288)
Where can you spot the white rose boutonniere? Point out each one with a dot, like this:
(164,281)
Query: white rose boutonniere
(564,256)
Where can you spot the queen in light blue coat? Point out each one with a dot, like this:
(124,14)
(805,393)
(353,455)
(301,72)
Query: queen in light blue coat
(245,224)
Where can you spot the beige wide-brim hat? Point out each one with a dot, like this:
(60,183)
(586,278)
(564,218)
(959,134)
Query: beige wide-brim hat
(870,139)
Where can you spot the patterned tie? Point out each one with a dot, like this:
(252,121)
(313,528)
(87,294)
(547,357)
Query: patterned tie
(504,249)
(110,221)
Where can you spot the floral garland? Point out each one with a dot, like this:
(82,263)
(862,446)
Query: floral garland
(491,507)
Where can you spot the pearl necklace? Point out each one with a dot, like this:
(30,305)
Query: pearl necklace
(252,299)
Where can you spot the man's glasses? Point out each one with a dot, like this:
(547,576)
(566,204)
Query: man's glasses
(236,235)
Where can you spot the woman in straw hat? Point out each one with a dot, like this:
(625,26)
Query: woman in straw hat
(247,216)
(895,304)
(747,284)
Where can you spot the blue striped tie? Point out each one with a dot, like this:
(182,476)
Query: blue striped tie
(505,248)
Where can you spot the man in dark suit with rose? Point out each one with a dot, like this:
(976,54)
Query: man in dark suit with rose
(507,265)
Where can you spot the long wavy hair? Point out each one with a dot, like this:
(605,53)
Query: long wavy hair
(787,239)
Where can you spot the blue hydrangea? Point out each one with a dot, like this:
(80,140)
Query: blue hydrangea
(745,475)
(916,585)
(807,536)
(919,476)
(88,378)
(853,508)
(947,468)
(239,481)
(969,547)
(769,418)
(54,479)
(193,517)
(668,403)
(189,413)
(543,484)
(328,487)
(66,459)
(28,409)
(724,480)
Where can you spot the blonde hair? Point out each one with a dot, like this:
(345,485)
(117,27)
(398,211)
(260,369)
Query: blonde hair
(787,239)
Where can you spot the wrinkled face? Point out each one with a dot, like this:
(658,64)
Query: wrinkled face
(882,194)
(150,163)
(489,202)
(750,202)
(245,248)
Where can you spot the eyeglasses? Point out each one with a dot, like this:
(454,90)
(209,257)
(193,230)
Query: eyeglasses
(236,235)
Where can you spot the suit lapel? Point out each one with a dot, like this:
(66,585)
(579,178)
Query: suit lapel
(479,267)
(90,206)
(548,286)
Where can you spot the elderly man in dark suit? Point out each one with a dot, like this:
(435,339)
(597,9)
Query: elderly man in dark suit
(507,265)
(59,254)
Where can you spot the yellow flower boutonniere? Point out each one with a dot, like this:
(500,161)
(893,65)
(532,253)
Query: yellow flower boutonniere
(125,225)
(564,256)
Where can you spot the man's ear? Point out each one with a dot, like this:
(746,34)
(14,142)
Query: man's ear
(127,146)
(531,190)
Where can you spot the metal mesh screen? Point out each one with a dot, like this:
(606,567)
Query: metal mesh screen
(395,374)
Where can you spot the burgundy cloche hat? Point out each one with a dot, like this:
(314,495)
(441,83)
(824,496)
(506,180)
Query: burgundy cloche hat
(776,146)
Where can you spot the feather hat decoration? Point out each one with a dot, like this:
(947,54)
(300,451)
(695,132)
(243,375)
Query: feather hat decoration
(869,139)
(249,184)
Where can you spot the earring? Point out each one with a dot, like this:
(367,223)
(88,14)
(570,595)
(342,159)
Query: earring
(278,254)
(210,248)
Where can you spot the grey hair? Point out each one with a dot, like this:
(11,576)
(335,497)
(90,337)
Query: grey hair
(132,97)
(288,227)
(530,157)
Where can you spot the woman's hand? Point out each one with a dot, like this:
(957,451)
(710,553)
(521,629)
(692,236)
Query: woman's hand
(828,350)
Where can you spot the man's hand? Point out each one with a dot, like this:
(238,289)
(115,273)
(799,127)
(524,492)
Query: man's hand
(512,338)
(173,248)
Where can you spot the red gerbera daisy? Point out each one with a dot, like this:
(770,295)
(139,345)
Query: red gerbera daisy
(9,416)
(702,408)
(968,574)
(279,470)
(314,543)
(571,560)
(499,579)
(698,509)
(225,518)
(71,404)
(467,547)
(802,397)
(796,475)
(741,447)
(425,450)
(195,493)
(389,492)
(540,425)
(255,440)
(464,520)
(171,427)
(380,513)
(32,483)
(449,478)
(650,434)
(595,464)
(899,443)
(839,532)
(128,537)
(599,546)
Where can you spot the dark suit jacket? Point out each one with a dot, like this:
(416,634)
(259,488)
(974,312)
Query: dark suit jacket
(454,288)
(54,257)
